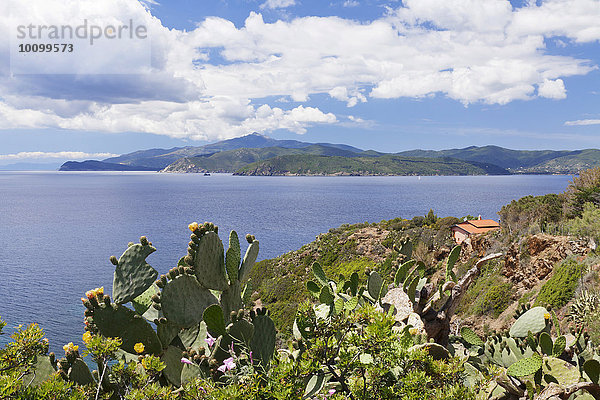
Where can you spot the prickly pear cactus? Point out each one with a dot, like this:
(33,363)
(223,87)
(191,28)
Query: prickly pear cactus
(263,340)
(115,320)
(534,321)
(133,275)
(525,366)
(183,299)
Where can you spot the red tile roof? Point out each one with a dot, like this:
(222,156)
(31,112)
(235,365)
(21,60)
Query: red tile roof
(483,223)
(478,226)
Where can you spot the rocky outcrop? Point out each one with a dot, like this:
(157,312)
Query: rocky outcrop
(543,252)
(369,243)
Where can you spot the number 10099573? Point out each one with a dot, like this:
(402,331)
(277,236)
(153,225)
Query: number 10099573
(46,48)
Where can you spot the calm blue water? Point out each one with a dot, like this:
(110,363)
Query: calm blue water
(58,230)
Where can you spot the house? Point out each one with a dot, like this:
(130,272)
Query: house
(473,227)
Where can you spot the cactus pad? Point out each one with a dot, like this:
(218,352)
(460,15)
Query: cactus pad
(209,263)
(525,366)
(263,341)
(233,257)
(166,333)
(215,323)
(119,321)
(565,374)
(143,302)
(545,342)
(436,351)
(242,331)
(533,321)
(133,275)
(173,365)
(326,297)
(403,271)
(80,373)
(249,260)
(559,346)
(183,300)
(592,369)
(470,337)
(452,259)
(374,285)
(319,274)
(43,369)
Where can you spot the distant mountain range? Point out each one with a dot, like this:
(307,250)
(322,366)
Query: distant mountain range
(267,156)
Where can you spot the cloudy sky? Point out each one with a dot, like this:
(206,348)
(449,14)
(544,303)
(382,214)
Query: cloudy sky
(383,75)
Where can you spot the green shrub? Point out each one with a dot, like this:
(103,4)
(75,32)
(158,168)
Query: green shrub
(490,293)
(520,214)
(560,288)
(588,225)
(495,300)
(583,189)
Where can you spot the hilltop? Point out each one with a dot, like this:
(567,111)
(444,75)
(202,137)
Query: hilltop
(295,157)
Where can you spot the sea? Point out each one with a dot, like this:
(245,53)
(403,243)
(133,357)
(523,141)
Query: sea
(58,229)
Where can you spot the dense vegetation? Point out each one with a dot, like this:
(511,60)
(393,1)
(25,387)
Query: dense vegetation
(382,165)
(232,160)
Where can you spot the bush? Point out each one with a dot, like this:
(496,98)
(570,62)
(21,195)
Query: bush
(520,214)
(495,300)
(588,225)
(584,189)
(560,288)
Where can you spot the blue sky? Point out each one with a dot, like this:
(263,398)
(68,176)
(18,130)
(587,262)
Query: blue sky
(383,75)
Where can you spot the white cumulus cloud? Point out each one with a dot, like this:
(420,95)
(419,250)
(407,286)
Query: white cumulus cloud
(552,89)
(211,82)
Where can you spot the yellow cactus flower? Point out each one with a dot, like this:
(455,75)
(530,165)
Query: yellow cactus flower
(87,337)
(193,226)
(98,292)
(70,347)
(413,331)
(139,348)
(547,316)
